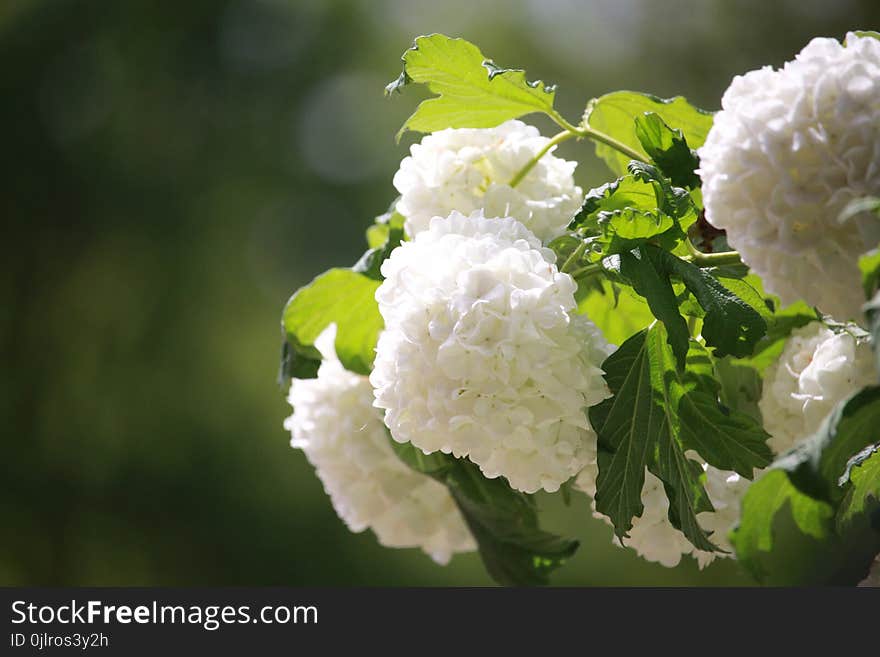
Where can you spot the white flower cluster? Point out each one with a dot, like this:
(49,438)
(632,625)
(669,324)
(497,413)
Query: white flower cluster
(817,369)
(787,152)
(466,170)
(482,355)
(343,437)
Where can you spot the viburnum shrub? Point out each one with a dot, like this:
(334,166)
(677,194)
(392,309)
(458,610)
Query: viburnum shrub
(506,332)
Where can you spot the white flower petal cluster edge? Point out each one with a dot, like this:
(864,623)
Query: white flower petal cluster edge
(818,368)
(787,152)
(343,437)
(469,169)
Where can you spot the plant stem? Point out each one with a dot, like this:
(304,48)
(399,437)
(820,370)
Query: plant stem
(574,256)
(596,135)
(586,271)
(586,132)
(714,259)
(555,141)
(570,131)
(562,123)
(694,251)
(698,259)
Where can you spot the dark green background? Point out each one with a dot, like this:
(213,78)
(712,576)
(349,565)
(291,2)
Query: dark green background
(171,173)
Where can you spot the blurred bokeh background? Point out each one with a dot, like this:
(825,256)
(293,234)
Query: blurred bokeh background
(172,172)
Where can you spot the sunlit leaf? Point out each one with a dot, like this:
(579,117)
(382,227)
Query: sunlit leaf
(615,114)
(668,149)
(472,92)
(343,297)
(826,490)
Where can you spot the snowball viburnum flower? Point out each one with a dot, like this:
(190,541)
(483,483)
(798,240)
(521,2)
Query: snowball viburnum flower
(790,148)
(817,369)
(335,424)
(469,169)
(482,355)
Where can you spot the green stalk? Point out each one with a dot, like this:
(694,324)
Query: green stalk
(596,135)
(570,131)
(714,259)
(586,271)
(574,256)
(555,141)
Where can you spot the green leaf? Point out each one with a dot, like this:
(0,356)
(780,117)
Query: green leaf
(597,199)
(625,192)
(628,228)
(650,279)
(724,437)
(730,325)
(858,516)
(619,313)
(683,484)
(830,495)
(378,231)
(295,365)
(342,296)
(861,504)
(729,441)
(614,114)
(744,290)
(856,461)
(869,264)
(514,549)
(668,149)
(682,478)
(674,201)
(370,263)
(639,207)
(657,413)
(775,552)
(779,326)
(816,465)
(504,522)
(740,387)
(741,287)
(472,92)
(377,235)
(628,425)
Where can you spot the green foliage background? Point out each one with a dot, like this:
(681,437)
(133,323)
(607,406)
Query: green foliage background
(172,172)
